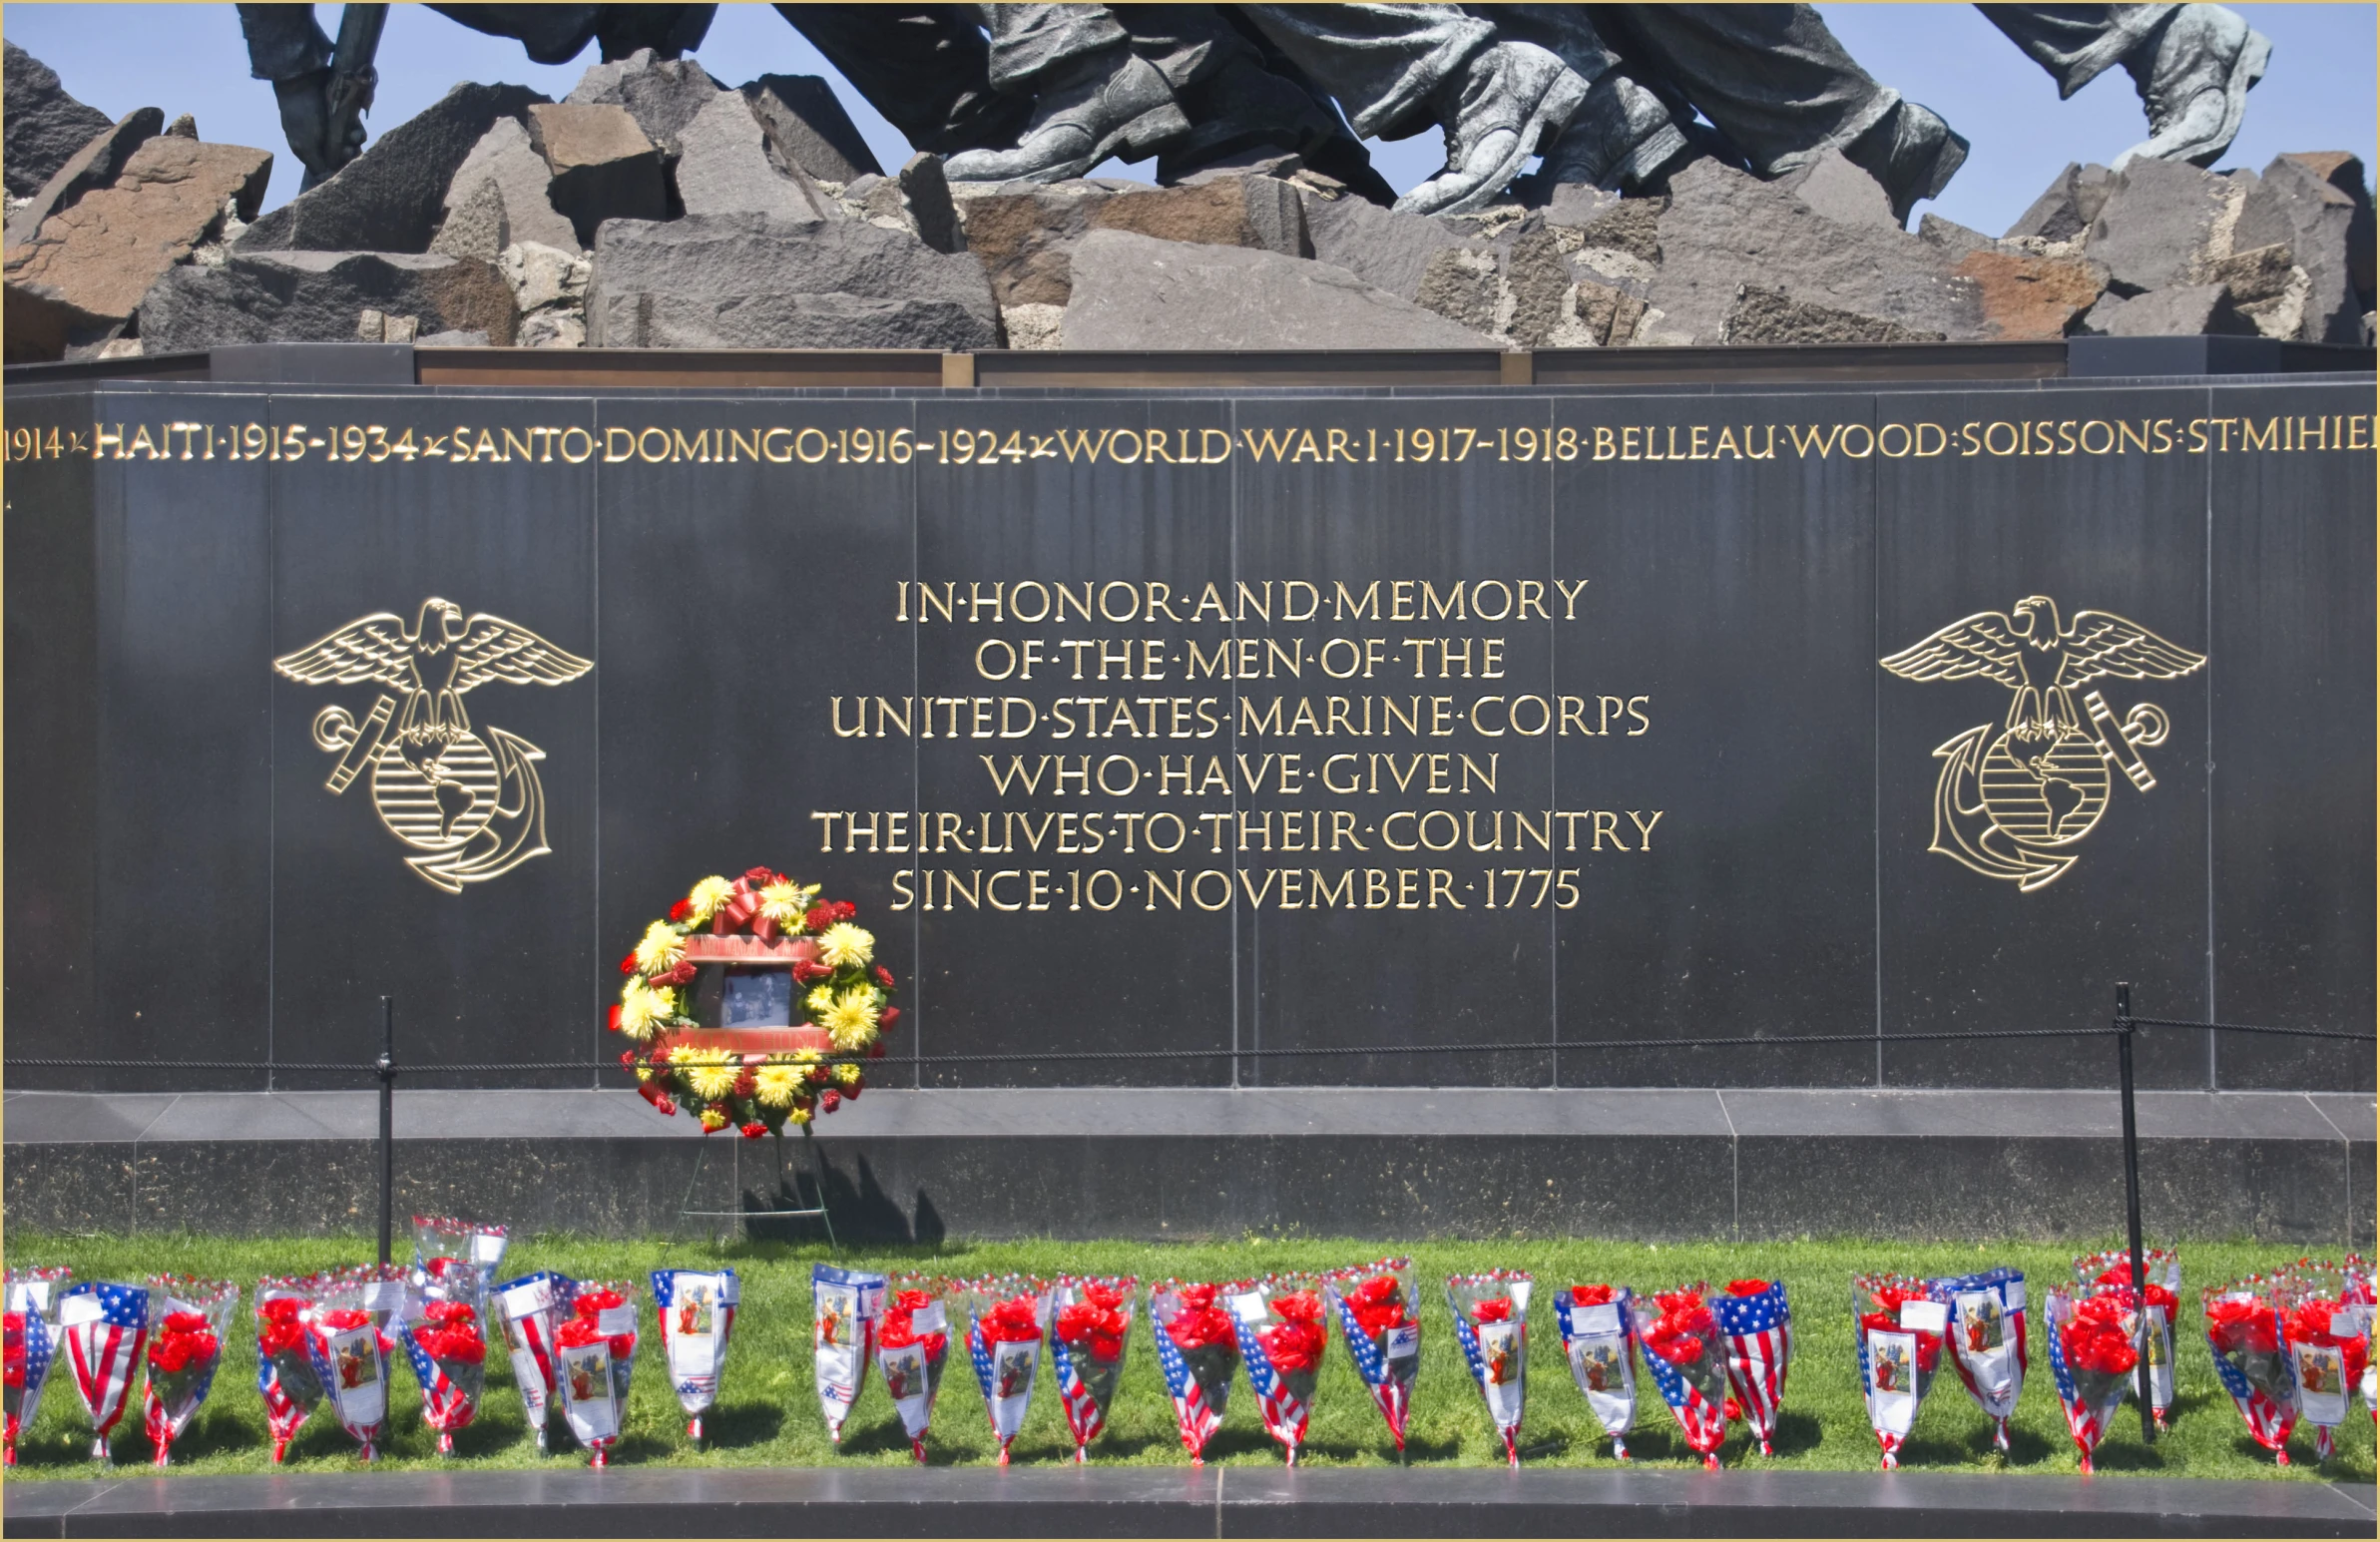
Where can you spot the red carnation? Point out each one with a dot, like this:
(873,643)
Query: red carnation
(2238,1326)
(681,910)
(615,1021)
(819,918)
(830,1099)
(1731,1409)
(1011,1322)
(1090,1329)
(628,963)
(1292,1346)
(1589,1296)
(1494,1309)
(1747,1287)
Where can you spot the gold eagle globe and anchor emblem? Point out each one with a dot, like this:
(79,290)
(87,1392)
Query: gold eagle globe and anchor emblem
(471,808)
(2011,805)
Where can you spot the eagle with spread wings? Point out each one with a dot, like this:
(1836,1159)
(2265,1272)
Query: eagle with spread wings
(435,663)
(2042,662)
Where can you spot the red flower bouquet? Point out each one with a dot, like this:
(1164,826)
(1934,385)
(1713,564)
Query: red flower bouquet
(595,1354)
(284,1371)
(1008,1314)
(2360,1294)
(532,1310)
(1375,1308)
(1598,1339)
(1086,1350)
(1282,1337)
(846,1309)
(2110,1274)
(1755,1325)
(2245,1330)
(1491,1317)
(449,1354)
(912,1346)
(2093,1347)
(696,1313)
(1197,1347)
(443,1246)
(191,1318)
(1900,1325)
(1689,1364)
(350,1346)
(32,1345)
(2328,1334)
(1986,1322)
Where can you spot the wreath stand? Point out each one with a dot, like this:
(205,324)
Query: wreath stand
(787,1184)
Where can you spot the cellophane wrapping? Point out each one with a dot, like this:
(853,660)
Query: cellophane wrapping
(697,1311)
(444,1335)
(1282,1337)
(1687,1362)
(2101,1273)
(445,1243)
(1755,1325)
(1198,1347)
(1007,1317)
(1091,1317)
(105,1327)
(2359,1271)
(847,1306)
(1899,1325)
(532,1308)
(349,1343)
(2095,1348)
(191,1321)
(1490,1318)
(286,1379)
(31,1347)
(2329,1339)
(1377,1307)
(1988,1347)
(595,1355)
(1598,1339)
(2246,1333)
(912,1348)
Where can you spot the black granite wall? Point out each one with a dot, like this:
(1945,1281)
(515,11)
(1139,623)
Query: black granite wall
(1650,782)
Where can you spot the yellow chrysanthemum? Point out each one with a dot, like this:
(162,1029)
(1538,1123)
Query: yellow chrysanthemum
(851,1022)
(710,1073)
(706,897)
(777,1084)
(659,949)
(783,904)
(820,1002)
(848,1075)
(799,1114)
(642,1009)
(844,945)
(714,1120)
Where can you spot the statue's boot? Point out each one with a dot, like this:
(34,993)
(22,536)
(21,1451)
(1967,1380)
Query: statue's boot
(1911,153)
(2194,76)
(1510,99)
(1623,138)
(1245,109)
(1108,103)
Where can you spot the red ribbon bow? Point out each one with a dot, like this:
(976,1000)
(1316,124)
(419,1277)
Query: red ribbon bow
(744,906)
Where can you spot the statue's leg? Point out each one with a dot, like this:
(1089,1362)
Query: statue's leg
(549,33)
(2075,42)
(925,68)
(671,31)
(2193,66)
(287,48)
(1093,95)
(1626,137)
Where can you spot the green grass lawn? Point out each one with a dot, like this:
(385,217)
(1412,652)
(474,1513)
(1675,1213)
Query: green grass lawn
(767,1415)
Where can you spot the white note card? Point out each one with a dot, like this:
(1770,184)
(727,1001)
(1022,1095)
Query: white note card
(1924,1317)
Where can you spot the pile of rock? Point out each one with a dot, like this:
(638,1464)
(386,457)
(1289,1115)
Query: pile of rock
(653,207)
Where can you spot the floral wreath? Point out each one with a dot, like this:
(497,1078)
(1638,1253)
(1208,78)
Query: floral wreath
(787,1076)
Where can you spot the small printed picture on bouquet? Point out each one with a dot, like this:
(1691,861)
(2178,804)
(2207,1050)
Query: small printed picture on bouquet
(1892,1367)
(1499,1346)
(357,1366)
(2320,1371)
(838,1316)
(1600,1364)
(695,1306)
(590,1371)
(904,1370)
(1981,1323)
(1012,1368)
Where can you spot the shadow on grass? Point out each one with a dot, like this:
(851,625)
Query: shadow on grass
(879,1438)
(1794,1434)
(737,1426)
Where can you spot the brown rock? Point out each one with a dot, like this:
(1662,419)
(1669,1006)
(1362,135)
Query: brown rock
(92,263)
(1460,285)
(1633,227)
(184,126)
(1610,316)
(95,166)
(603,168)
(2027,298)
(1772,316)
(1024,240)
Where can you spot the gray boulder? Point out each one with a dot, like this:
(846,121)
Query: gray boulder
(1722,225)
(927,205)
(45,126)
(1763,315)
(1136,291)
(603,167)
(322,297)
(2316,203)
(2161,221)
(1390,252)
(662,95)
(2067,208)
(808,129)
(751,282)
(1834,187)
(2183,311)
(499,197)
(723,168)
(1025,235)
(391,198)
(95,166)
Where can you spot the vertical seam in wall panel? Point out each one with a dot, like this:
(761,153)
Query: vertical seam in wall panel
(273,821)
(595,606)
(1553,770)
(916,777)
(1735,1166)
(1256,952)
(1876,752)
(2212,1070)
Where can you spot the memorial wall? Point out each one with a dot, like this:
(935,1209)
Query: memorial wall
(1198,720)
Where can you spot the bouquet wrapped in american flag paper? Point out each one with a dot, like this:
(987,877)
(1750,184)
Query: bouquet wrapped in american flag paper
(2095,1344)
(2331,1347)
(1899,1325)
(1687,1361)
(1598,1339)
(447,1348)
(286,1379)
(2358,1273)
(32,1333)
(105,1326)
(444,1244)
(595,1355)
(2246,1331)
(532,1308)
(846,1307)
(1376,1308)
(1987,1339)
(1757,1324)
(697,1311)
(1092,1318)
(1281,1338)
(1490,1318)
(1007,1317)
(2111,1273)
(349,1345)
(191,1320)
(912,1348)
(1198,1347)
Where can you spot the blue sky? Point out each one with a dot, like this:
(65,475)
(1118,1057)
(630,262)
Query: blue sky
(2318,94)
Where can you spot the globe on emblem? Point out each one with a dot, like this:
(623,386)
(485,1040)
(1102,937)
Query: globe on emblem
(444,807)
(2042,793)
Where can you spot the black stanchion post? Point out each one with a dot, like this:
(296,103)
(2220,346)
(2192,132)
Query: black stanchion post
(2132,1200)
(387,1069)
